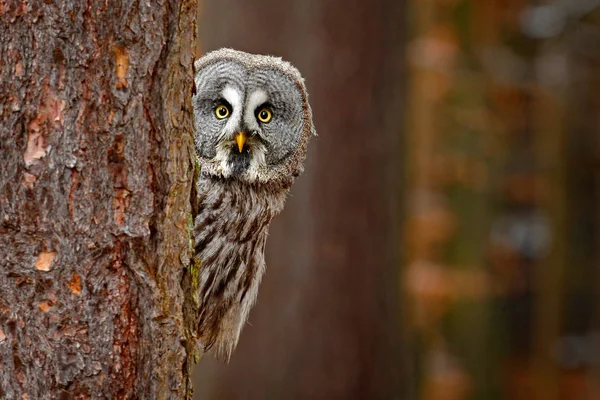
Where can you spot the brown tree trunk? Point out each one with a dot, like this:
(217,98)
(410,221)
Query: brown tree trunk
(95,179)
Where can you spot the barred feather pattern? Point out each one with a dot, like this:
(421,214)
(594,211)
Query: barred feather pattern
(230,233)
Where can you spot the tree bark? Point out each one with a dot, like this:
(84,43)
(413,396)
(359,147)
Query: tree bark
(95,180)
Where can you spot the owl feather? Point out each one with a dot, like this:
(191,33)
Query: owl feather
(252,126)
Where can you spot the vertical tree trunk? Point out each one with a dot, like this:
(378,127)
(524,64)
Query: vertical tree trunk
(551,147)
(95,179)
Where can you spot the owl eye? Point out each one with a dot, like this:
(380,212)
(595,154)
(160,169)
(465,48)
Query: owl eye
(222,112)
(264,115)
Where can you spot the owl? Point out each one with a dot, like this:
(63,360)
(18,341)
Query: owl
(252,126)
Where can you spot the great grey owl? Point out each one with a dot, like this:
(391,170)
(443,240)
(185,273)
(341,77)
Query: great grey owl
(252,126)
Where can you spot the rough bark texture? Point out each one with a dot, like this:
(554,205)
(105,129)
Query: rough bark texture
(95,179)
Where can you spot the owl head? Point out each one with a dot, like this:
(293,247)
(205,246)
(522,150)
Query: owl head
(252,117)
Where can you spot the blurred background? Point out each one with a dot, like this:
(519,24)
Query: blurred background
(444,241)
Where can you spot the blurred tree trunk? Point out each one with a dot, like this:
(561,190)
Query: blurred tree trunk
(327,324)
(549,302)
(95,179)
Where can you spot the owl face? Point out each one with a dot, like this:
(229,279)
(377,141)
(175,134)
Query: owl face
(251,115)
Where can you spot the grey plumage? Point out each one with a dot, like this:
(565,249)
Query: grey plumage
(248,163)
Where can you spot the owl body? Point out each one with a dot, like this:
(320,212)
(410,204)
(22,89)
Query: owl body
(252,126)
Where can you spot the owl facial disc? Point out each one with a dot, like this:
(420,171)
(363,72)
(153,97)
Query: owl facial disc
(240,150)
(252,118)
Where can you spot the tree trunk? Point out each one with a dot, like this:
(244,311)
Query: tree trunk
(95,180)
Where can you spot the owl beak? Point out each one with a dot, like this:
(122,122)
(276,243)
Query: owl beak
(240,139)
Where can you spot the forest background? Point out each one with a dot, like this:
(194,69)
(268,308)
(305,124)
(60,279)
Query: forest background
(444,242)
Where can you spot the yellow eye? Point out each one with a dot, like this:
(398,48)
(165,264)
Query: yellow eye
(222,112)
(264,115)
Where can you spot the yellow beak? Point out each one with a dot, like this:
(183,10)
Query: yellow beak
(240,139)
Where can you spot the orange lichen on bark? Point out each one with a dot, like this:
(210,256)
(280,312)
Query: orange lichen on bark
(55,110)
(44,260)
(120,204)
(19,68)
(45,306)
(2,335)
(36,144)
(121,66)
(29,180)
(75,284)
(38,131)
